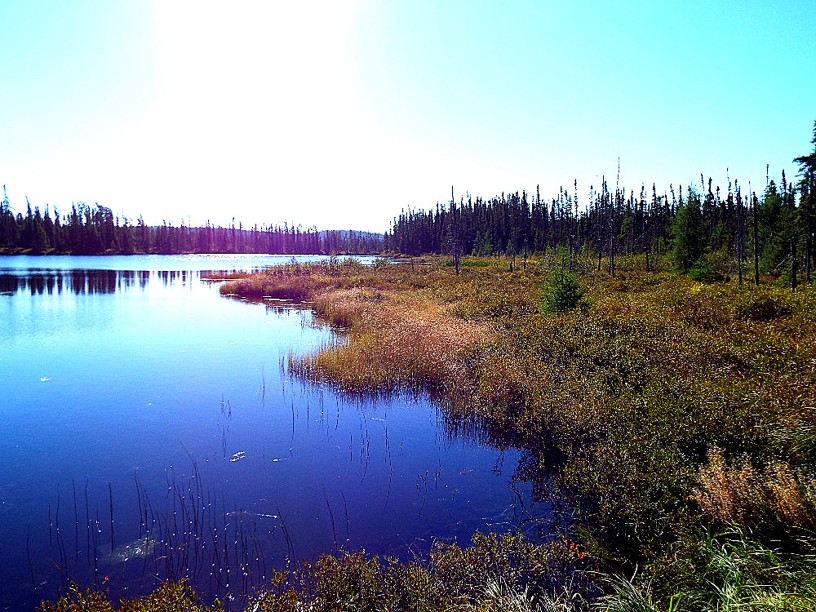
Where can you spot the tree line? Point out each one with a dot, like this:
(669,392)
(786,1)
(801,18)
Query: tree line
(696,226)
(95,230)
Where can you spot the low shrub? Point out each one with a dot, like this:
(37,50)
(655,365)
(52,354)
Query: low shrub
(703,271)
(761,308)
(492,570)
(169,597)
(562,292)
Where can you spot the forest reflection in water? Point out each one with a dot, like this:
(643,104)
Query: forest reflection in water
(87,281)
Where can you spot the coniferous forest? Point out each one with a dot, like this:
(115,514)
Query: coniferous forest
(696,226)
(95,230)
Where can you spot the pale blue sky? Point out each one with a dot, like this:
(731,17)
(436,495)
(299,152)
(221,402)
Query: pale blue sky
(339,114)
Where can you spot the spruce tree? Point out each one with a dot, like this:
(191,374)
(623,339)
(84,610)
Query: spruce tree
(807,203)
(687,231)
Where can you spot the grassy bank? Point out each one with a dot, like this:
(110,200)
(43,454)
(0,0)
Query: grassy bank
(493,573)
(674,419)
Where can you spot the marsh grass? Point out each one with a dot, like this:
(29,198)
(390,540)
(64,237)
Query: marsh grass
(748,496)
(490,574)
(620,403)
(743,574)
(395,342)
(302,281)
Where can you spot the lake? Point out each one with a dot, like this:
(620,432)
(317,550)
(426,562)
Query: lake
(149,430)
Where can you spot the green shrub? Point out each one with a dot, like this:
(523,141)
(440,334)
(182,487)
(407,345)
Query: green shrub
(703,271)
(492,573)
(168,597)
(563,292)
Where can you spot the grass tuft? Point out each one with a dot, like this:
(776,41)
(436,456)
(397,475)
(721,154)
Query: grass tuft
(741,494)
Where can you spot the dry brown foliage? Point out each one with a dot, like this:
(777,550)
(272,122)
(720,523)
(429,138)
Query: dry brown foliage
(745,495)
(394,341)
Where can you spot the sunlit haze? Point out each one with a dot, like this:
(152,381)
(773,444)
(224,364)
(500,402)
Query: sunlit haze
(340,114)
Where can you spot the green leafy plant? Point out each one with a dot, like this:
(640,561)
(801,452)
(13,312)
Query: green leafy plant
(703,271)
(562,292)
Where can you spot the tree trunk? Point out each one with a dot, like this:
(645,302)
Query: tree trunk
(756,242)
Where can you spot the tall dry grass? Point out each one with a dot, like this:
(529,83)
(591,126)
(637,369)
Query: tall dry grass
(394,341)
(742,494)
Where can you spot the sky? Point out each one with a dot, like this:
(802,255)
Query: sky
(340,114)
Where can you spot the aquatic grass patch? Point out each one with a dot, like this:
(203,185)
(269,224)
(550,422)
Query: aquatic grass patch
(393,342)
(491,571)
(341,308)
(301,281)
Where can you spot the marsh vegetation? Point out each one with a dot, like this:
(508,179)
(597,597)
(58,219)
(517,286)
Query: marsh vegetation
(674,417)
(671,419)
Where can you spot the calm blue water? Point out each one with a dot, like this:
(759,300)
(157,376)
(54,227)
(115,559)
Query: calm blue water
(148,430)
